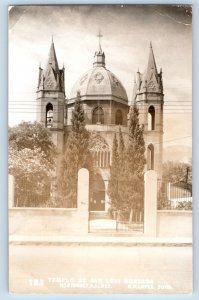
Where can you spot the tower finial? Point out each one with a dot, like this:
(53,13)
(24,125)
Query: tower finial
(99,57)
(151,45)
(52,39)
(100,36)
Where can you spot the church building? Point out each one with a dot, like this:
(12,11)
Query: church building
(106,106)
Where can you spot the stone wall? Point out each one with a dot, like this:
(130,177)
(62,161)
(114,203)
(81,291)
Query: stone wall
(54,221)
(174,223)
(47,221)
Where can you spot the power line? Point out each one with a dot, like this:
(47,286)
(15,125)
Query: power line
(183,107)
(180,86)
(35,100)
(33,104)
(165,113)
(173,140)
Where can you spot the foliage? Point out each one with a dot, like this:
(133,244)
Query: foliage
(185,205)
(122,172)
(114,174)
(135,163)
(32,136)
(174,171)
(77,155)
(128,169)
(32,163)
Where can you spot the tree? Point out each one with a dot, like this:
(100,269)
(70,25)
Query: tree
(121,171)
(135,162)
(126,184)
(32,163)
(32,136)
(77,155)
(113,182)
(174,171)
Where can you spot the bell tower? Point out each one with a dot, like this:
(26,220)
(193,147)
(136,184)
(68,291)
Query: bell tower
(51,98)
(149,97)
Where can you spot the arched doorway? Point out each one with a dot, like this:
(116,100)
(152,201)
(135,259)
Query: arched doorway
(97,194)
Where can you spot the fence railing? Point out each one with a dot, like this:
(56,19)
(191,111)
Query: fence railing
(26,195)
(177,195)
(124,226)
(136,223)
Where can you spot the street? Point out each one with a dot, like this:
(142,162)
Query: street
(100,269)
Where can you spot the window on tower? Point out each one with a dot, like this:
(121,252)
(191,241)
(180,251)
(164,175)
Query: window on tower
(98,116)
(118,117)
(49,115)
(150,157)
(151,118)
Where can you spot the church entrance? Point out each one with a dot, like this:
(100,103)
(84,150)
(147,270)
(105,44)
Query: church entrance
(97,194)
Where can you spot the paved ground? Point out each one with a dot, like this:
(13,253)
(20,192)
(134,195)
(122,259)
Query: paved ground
(82,269)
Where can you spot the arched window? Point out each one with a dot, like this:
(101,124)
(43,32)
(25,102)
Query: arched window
(150,157)
(118,117)
(151,118)
(98,116)
(49,115)
(101,159)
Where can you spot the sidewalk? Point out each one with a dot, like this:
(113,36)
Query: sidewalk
(92,239)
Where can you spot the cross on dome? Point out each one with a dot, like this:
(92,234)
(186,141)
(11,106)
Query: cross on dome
(99,57)
(100,36)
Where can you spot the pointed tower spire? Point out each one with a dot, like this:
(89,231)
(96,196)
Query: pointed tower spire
(52,78)
(151,63)
(134,90)
(150,80)
(99,57)
(52,58)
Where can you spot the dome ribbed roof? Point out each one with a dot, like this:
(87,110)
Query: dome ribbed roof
(99,81)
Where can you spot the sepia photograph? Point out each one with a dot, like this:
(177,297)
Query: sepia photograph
(100,149)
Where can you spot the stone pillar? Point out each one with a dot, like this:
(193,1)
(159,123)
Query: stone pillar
(150,203)
(11,190)
(83,200)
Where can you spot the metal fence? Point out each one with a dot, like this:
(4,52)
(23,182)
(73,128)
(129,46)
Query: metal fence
(27,195)
(122,226)
(177,195)
(117,222)
(136,224)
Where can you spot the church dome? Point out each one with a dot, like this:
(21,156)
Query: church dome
(99,82)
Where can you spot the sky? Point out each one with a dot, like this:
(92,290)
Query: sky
(127,32)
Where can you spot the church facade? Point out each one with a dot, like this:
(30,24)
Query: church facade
(106,106)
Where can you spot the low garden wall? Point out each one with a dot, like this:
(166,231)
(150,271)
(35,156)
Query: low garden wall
(174,223)
(53,221)
(47,221)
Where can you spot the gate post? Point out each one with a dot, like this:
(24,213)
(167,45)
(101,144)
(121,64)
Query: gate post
(150,203)
(83,199)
